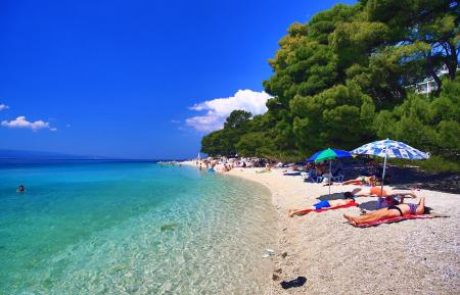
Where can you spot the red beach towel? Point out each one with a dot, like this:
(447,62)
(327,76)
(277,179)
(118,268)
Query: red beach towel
(352,204)
(394,219)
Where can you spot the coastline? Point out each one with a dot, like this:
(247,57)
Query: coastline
(409,257)
(134,229)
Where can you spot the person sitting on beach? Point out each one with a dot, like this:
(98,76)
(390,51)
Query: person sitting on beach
(392,211)
(329,204)
(372,167)
(227,167)
(268,168)
(320,169)
(21,189)
(362,180)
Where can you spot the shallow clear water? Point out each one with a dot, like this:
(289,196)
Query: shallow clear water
(132,228)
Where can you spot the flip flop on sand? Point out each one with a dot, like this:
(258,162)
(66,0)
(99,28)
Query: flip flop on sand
(300,281)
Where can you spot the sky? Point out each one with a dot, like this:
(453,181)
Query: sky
(138,78)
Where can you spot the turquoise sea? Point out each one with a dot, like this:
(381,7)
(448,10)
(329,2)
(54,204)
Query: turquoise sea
(87,227)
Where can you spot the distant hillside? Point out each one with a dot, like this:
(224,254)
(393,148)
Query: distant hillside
(39,155)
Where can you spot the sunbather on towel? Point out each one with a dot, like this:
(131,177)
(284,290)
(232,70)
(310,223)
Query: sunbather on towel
(386,198)
(392,211)
(325,204)
(361,180)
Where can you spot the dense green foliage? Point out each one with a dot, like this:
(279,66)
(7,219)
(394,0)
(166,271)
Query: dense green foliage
(223,142)
(347,77)
(433,123)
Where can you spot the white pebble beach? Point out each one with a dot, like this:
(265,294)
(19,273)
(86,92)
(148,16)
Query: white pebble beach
(410,257)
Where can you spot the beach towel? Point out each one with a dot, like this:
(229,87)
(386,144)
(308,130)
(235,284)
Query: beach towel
(352,204)
(394,219)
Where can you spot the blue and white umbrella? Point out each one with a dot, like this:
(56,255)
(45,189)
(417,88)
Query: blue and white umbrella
(390,149)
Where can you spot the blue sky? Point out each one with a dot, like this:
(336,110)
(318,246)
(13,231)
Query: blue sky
(134,79)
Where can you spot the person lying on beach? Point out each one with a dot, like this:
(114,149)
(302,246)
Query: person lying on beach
(392,211)
(325,204)
(362,180)
(386,198)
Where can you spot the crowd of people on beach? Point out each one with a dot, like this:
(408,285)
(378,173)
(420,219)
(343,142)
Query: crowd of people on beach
(390,204)
(224,164)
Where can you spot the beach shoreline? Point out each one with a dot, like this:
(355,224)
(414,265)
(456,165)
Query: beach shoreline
(410,257)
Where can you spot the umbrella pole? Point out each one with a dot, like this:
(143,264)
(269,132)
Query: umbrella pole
(383,173)
(330,174)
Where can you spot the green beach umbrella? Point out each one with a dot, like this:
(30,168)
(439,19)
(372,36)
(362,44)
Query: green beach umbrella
(328,154)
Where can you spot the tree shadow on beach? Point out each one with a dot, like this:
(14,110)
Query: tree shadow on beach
(369,205)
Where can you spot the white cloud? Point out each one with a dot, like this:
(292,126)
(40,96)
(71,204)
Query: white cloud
(21,122)
(3,107)
(218,109)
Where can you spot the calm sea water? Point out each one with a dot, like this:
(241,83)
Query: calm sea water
(131,228)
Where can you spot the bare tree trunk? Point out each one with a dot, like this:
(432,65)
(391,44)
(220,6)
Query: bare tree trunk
(431,71)
(453,61)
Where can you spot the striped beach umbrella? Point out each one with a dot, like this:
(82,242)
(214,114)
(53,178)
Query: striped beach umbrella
(390,149)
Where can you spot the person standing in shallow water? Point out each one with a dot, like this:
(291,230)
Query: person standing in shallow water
(21,189)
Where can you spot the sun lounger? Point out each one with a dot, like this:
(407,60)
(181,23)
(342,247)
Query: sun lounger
(394,219)
(305,176)
(338,178)
(291,173)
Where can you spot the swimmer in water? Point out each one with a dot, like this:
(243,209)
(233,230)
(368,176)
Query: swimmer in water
(21,189)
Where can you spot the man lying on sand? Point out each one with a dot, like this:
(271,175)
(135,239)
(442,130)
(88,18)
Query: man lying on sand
(392,211)
(386,198)
(362,180)
(376,191)
(325,204)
